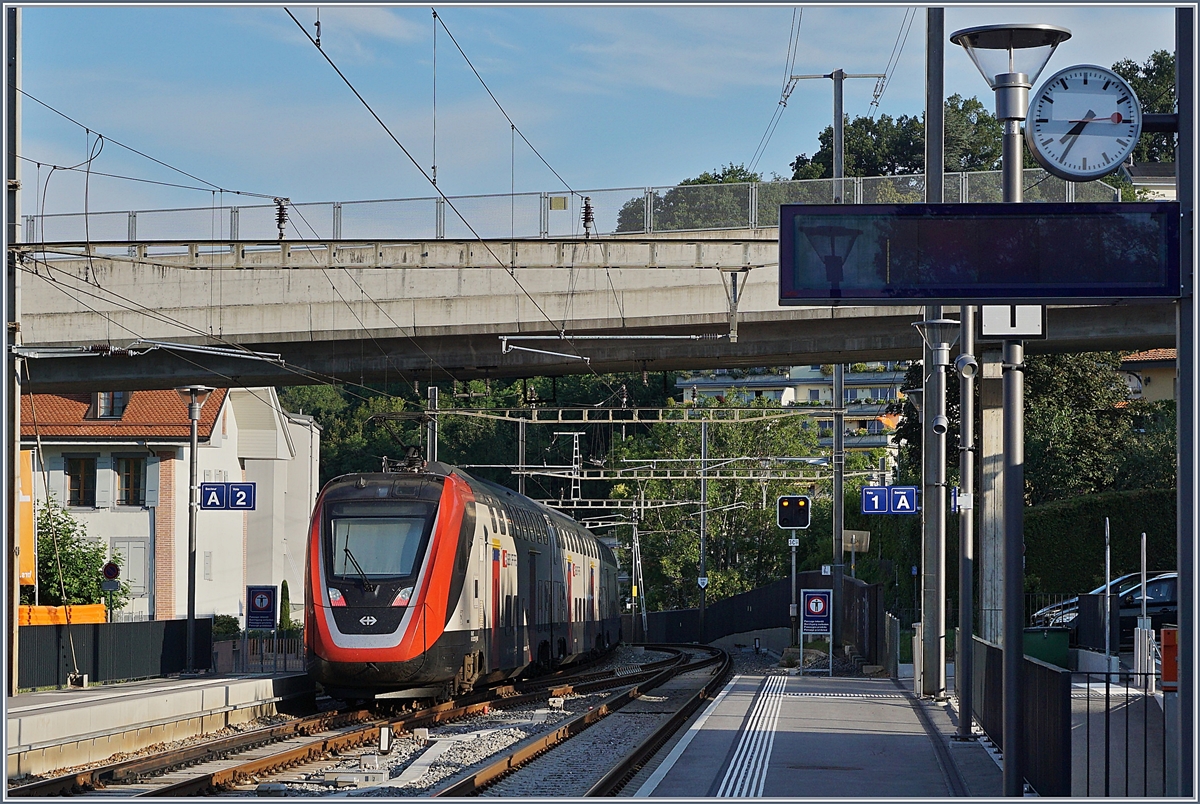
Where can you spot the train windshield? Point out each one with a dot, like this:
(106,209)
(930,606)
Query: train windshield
(377,547)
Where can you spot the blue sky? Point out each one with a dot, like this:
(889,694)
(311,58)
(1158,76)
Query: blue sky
(611,97)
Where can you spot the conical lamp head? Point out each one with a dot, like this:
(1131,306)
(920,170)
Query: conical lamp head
(1005,49)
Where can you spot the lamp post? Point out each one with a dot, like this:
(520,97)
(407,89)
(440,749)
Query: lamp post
(832,244)
(194,397)
(1010,58)
(939,334)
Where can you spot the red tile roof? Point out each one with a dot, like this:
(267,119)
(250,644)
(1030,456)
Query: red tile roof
(1150,355)
(149,414)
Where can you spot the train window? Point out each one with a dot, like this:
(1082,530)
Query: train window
(375,547)
(476,587)
(504,521)
(492,510)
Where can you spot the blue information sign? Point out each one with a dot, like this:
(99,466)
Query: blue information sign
(227,496)
(889,500)
(816,611)
(241,496)
(260,607)
(213,496)
(903,499)
(875,500)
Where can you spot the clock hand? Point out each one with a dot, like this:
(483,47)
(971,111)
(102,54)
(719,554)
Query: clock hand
(1077,129)
(1115,117)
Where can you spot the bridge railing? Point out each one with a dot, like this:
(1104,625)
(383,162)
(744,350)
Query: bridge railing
(631,210)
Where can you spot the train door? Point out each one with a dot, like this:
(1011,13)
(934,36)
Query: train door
(591,604)
(494,646)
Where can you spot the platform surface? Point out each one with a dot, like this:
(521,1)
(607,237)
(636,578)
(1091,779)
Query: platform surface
(38,719)
(779,736)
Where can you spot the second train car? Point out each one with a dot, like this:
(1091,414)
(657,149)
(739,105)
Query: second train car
(425,582)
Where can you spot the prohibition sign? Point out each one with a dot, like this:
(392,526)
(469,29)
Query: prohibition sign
(816,606)
(262,602)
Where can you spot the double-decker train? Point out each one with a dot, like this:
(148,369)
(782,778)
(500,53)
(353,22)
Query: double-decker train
(422,583)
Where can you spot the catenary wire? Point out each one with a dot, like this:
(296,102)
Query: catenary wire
(789,64)
(511,271)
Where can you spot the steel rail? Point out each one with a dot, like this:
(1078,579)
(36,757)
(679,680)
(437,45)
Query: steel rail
(611,783)
(560,682)
(514,759)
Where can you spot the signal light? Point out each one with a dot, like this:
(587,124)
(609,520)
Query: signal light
(793,512)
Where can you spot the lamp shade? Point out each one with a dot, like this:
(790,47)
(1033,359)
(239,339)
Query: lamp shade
(1007,49)
(194,393)
(938,331)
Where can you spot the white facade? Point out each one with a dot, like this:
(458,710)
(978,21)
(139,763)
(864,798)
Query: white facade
(252,439)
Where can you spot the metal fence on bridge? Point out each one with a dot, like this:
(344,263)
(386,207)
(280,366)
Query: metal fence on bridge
(633,210)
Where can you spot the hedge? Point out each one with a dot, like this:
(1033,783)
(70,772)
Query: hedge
(1064,540)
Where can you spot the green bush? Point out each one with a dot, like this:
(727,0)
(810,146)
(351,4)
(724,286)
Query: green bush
(1064,540)
(225,626)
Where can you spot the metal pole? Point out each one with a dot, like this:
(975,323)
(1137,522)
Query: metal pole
(964,654)
(839,136)
(1107,596)
(1014,599)
(935,110)
(703,517)
(839,498)
(795,612)
(1185,165)
(431,425)
(521,457)
(193,511)
(12,365)
(933,529)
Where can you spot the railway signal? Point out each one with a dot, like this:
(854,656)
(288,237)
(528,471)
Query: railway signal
(793,512)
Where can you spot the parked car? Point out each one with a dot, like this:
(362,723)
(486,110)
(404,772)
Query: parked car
(1162,604)
(1065,612)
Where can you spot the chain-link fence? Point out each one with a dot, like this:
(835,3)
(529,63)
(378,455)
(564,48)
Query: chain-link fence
(682,208)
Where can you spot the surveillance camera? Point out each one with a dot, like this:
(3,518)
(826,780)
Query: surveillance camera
(967,366)
(940,425)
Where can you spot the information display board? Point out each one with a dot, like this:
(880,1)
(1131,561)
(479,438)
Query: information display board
(967,253)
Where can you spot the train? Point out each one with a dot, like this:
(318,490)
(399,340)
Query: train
(427,581)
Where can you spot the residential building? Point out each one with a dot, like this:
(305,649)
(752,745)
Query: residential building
(120,462)
(1151,375)
(1155,179)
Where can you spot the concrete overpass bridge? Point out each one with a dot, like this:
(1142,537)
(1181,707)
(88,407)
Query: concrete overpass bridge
(437,308)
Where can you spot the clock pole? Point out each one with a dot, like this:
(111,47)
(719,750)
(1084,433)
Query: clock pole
(1011,57)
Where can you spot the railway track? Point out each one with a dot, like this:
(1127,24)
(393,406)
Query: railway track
(539,764)
(229,761)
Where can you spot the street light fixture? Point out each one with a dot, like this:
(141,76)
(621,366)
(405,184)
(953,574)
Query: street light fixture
(832,244)
(194,396)
(1010,58)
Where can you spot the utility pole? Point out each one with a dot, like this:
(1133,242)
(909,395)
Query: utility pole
(12,364)
(839,125)
(839,497)
(703,520)
(431,425)
(965,647)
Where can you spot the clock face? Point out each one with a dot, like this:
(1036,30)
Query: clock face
(1083,123)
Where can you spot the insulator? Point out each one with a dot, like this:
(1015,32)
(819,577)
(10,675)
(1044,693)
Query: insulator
(589,216)
(281,215)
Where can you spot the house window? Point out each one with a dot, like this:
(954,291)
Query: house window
(111,404)
(131,486)
(814,395)
(81,482)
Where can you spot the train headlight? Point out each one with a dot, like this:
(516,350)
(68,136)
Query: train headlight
(335,597)
(403,596)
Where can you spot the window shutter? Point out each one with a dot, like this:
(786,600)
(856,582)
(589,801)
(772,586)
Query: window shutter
(57,466)
(152,482)
(104,481)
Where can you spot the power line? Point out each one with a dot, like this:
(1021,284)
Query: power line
(786,91)
(442,22)
(77,168)
(511,271)
(910,15)
(136,151)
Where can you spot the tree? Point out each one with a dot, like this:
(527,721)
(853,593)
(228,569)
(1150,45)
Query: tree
(285,608)
(63,543)
(682,209)
(896,146)
(1154,83)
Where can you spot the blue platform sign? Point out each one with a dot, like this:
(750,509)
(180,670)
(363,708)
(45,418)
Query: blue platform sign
(816,611)
(241,496)
(227,496)
(213,496)
(875,500)
(903,499)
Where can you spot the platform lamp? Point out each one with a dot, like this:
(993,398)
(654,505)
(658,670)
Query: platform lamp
(832,244)
(194,396)
(1010,58)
